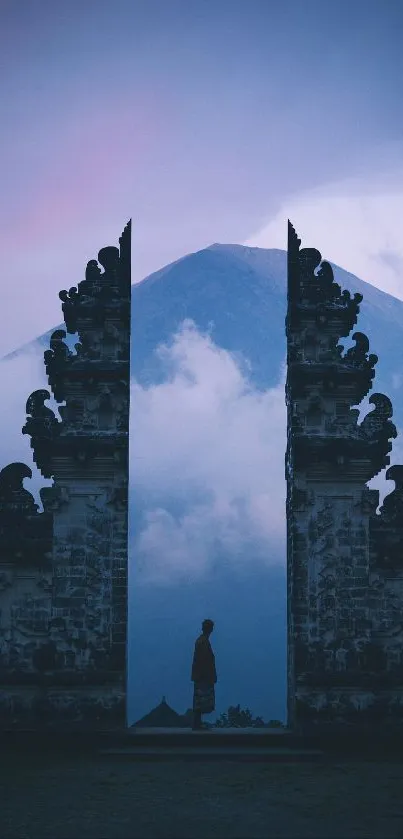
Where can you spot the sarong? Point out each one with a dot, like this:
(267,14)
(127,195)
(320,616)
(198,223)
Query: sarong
(203,697)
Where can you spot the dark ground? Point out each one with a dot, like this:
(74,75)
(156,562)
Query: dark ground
(89,797)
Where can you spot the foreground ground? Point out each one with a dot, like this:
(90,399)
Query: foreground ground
(44,797)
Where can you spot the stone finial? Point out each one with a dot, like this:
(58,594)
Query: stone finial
(11,482)
(109,259)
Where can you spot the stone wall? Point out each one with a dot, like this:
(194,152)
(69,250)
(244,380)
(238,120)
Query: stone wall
(345,582)
(63,572)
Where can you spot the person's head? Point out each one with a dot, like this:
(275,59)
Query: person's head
(207,627)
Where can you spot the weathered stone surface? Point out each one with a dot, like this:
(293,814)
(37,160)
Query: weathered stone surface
(63,572)
(345,568)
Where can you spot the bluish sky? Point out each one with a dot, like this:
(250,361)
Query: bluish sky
(201,120)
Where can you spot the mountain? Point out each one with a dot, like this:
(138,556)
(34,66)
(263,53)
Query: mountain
(238,296)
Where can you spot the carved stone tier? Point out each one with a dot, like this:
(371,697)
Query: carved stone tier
(345,635)
(351,383)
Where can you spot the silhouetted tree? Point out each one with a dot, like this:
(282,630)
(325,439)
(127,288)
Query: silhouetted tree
(236,717)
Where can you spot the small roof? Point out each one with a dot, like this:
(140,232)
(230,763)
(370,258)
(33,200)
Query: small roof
(162,716)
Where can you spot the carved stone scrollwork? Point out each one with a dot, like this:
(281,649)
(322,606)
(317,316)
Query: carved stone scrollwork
(377,428)
(43,427)
(375,432)
(56,359)
(69,307)
(25,534)
(309,261)
(358,354)
(315,285)
(109,258)
(392,508)
(96,290)
(328,286)
(92,278)
(12,490)
(377,422)
(322,286)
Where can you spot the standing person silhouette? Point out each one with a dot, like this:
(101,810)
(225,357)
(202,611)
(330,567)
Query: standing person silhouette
(204,675)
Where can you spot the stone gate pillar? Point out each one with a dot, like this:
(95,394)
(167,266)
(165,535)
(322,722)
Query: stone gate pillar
(329,459)
(64,621)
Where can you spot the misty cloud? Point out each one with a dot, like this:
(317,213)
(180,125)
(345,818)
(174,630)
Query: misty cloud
(206,460)
(354,223)
(210,443)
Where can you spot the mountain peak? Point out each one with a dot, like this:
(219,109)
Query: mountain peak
(236,294)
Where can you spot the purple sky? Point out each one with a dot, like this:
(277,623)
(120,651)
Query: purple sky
(201,120)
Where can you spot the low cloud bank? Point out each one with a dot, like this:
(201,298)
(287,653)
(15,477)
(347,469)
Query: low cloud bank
(206,461)
(355,224)
(210,445)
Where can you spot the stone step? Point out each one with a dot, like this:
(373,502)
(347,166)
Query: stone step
(213,737)
(209,752)
(86,738)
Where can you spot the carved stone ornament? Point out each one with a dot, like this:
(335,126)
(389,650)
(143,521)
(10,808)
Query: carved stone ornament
(56,361)
(43,427)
